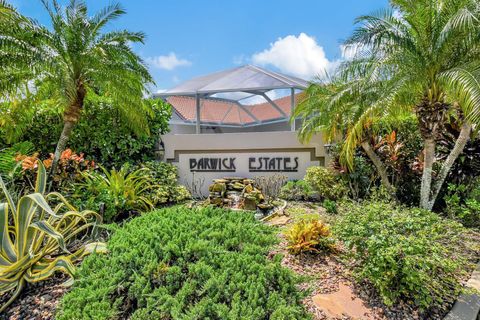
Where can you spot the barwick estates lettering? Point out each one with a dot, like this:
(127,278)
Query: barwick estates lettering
(255,164)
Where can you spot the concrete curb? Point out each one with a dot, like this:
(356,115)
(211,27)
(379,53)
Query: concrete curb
(467,307)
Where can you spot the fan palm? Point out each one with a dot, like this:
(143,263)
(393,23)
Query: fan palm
(421,57)
(71,60)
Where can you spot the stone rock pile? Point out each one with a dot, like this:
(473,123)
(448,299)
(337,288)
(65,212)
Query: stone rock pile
(236,193)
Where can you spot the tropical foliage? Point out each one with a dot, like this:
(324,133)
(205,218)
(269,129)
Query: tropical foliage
(119,194)
(190,264)
(417,57)
(70,61)
(9,166)
(70,168)
(309,236)
(115,192)
(37,239)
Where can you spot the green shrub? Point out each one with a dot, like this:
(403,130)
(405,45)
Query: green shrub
(70,170)
(178,263)
(361,179)
(8,163)
(102,132)
(408,254)
(10,169)
(326,182)
(118,194)
(297,190)
(165,188)
(463,203)
(330,206)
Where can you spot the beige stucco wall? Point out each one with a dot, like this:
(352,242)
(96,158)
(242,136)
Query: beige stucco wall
(181,148)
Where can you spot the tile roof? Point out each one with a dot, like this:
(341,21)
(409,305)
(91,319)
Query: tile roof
(227,112)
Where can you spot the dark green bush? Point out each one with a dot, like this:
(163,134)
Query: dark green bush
(407,254)
(178,263)
(102,133)
(330,206)
(463,203)
(297,191)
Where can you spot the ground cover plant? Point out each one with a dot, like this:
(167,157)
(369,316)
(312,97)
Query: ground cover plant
(179,263)
(407,254)
(463,203)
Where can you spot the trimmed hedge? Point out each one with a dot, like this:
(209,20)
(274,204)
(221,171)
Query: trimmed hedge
(179,263)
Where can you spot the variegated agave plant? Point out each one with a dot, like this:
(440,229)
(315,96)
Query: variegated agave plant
(35,237)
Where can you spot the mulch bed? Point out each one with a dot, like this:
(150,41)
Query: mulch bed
(37,301)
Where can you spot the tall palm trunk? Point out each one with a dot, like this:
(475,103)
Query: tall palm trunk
(429,159)
(431,116)
(70,118)
(381,169)
(62,142)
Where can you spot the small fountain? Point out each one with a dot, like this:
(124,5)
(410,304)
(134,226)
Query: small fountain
(236,193)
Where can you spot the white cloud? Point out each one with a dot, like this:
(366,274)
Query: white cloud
(298,55)
(168,62)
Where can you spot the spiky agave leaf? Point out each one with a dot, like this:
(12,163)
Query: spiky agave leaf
(36,245)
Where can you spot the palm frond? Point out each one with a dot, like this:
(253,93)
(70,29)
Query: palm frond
(464,84)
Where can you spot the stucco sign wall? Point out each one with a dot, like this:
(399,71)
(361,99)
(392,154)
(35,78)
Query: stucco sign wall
(209,166)
(205,157)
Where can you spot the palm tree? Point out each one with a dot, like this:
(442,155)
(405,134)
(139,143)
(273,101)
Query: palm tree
(333,108)
(420,56)
(72,60)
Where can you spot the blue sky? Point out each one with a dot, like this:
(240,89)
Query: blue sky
(187,38)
